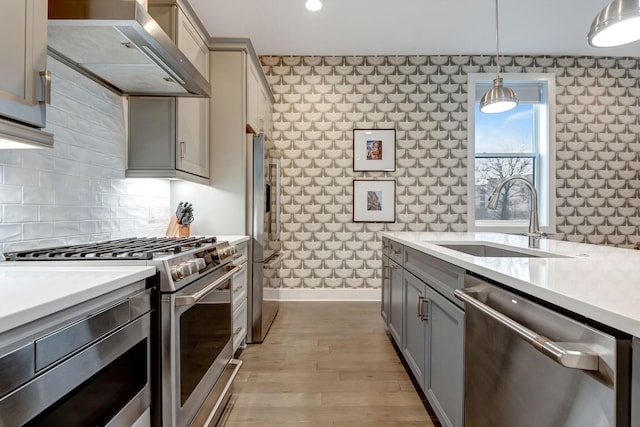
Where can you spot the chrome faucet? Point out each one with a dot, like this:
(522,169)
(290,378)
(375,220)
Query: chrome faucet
(534,228)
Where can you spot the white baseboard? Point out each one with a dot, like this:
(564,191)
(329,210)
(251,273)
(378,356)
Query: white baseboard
(342,294)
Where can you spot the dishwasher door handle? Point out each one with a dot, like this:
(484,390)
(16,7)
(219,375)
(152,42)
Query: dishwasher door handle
(569,355)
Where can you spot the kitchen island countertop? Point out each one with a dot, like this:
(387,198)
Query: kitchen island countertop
(598,282)
(28,293)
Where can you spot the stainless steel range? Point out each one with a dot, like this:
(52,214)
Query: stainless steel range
(193,355)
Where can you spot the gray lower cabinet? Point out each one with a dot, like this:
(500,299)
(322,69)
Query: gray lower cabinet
(386,289)
(396,302)
(444,385)
(635,383)
(415,325)
(428,326)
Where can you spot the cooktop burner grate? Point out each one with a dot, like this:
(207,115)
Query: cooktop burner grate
(135,248)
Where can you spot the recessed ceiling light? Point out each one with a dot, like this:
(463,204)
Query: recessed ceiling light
(313,5)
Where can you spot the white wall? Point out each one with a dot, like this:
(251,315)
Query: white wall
(76,192)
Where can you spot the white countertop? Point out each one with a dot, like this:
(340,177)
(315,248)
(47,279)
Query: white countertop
(28,293)
(599,282)
(232,239)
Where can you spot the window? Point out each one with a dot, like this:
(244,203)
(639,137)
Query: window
(516,142)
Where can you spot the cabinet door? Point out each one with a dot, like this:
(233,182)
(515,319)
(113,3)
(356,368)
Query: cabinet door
(193,136)
(253,97)
(444,385)
(192,45)
(415,325)
(395,302)
(264,112)
(386,290)
(635,383)
(23,49)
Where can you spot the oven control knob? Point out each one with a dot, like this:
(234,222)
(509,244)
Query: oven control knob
(230,251)
(196,265)
(182,270)
(176,273)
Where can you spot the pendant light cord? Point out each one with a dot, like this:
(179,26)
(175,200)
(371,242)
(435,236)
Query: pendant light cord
(497,43)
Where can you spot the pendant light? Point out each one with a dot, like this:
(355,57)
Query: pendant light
(616,24)
(499,98)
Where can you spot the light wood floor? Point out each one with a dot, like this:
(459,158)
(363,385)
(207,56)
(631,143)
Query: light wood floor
(325,364)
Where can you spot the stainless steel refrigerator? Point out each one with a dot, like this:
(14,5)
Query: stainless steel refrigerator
(265,252)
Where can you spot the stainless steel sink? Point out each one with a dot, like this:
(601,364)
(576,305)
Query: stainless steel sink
(481,250)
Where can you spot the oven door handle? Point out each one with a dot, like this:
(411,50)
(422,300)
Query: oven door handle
(191,299)
(569,355)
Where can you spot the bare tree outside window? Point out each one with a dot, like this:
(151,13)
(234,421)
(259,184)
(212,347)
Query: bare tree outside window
(514,202)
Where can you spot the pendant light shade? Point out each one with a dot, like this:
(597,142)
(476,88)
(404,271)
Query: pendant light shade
(499,98)
(616,24)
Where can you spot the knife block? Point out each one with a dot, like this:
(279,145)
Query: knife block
(175,229)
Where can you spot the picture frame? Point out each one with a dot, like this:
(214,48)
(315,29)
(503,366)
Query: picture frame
(374,200)
(374,150)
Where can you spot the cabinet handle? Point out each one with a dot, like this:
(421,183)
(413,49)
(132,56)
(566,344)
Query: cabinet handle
(237,331)
(183,149)
(422,314)
(45,77)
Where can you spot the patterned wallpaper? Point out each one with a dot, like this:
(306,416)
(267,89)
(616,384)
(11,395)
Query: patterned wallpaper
(320,100)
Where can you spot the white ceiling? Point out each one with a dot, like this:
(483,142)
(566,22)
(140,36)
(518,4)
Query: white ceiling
(408,27)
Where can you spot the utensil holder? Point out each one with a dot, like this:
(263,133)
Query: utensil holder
(175,229)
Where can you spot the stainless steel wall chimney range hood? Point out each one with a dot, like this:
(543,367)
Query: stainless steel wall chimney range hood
(118,44)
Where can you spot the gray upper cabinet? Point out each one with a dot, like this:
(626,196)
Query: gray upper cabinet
(25,83)
(161,146)
(169,137)
(258,102)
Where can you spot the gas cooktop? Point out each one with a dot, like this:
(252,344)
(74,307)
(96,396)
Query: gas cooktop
(134,248)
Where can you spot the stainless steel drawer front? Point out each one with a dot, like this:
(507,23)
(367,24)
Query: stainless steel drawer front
(16,368)
(37,395)
(59,344)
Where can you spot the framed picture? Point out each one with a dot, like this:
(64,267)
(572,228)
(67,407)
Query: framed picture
(374,201)
(374,149)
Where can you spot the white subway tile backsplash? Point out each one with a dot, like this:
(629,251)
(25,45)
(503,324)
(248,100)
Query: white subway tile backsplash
(37,160)
(10,194)
(37,195)
(37,230)
(65,213)
(63,229)
(76,197)
(19,213)
(72,193)
(11,157)
(10,232)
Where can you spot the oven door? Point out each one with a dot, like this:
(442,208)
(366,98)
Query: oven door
(197,346)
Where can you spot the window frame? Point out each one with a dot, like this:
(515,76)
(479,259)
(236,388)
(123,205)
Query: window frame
(544,172)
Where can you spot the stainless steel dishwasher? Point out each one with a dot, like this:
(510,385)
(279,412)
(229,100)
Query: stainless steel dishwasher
(526,365)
